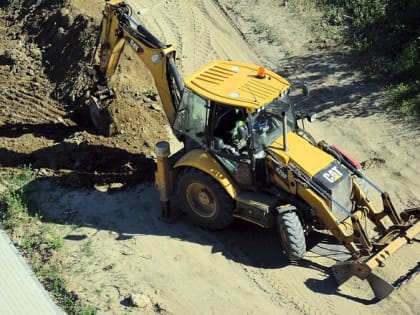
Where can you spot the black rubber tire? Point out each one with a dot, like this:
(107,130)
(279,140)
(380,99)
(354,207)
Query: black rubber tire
(204,200)
(291,235)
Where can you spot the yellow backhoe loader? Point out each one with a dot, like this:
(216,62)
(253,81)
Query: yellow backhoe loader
(245,156)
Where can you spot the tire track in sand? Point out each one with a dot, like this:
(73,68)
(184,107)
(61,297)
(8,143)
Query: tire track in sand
(198,30)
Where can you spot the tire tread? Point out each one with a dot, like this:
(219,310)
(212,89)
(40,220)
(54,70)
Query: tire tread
(295,243)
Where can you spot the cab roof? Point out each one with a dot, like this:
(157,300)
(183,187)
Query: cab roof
(237,84)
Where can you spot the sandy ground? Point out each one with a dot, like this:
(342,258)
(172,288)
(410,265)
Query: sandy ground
(115,244)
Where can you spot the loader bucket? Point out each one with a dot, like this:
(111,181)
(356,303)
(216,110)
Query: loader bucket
(363,268)
(345,270)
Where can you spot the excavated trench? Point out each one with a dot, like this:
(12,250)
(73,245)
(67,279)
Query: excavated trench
(45,51)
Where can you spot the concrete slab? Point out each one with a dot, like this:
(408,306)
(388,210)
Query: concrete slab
(20,290)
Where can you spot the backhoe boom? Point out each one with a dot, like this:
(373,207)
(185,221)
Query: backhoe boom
(117,29)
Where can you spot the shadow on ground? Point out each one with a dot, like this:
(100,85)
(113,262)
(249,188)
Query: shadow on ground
(135,211)
(336,90)
(73,159)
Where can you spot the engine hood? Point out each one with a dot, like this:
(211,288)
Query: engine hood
(310,159)
(322,168)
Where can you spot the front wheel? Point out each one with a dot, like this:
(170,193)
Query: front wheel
(291,235)
(204,200)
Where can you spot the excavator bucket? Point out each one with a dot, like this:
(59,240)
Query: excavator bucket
(99,110)
(402,234)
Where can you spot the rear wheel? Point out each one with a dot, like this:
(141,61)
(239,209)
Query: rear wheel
(291,235)
(204,200)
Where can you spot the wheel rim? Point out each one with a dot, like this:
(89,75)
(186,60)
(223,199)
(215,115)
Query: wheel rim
(201,200)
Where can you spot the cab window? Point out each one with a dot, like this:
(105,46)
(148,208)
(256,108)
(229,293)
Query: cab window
(192,116)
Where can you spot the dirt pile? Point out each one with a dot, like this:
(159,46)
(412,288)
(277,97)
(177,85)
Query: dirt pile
(45,51)
(63,38)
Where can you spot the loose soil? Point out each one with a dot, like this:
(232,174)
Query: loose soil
(99,192)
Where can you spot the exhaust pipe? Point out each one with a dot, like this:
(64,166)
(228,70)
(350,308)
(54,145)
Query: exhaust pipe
(162,180)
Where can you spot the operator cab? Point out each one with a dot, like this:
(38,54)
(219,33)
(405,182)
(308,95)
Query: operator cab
(234,111)
(236,138)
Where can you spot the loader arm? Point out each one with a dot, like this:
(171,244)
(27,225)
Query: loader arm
(369,232)
(118,28)
(391,230)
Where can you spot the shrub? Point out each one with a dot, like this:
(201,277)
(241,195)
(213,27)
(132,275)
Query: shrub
(387,29)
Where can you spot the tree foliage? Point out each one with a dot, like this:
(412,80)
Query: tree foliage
(389,29)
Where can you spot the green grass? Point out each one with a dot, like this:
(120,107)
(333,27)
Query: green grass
(51,237)
(39,242)
(14,211)
(388,31)
(406,98)
(87,249)
(55,242)
(152,93)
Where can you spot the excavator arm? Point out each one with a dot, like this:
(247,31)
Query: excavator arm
(117,29)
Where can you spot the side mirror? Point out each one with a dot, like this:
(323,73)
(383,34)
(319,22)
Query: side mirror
(306,89)
(298,96)
(311,117)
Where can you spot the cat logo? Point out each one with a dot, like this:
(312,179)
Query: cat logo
(135,46)
(332,175)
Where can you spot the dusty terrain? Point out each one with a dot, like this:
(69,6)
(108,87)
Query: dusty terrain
(106,207)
